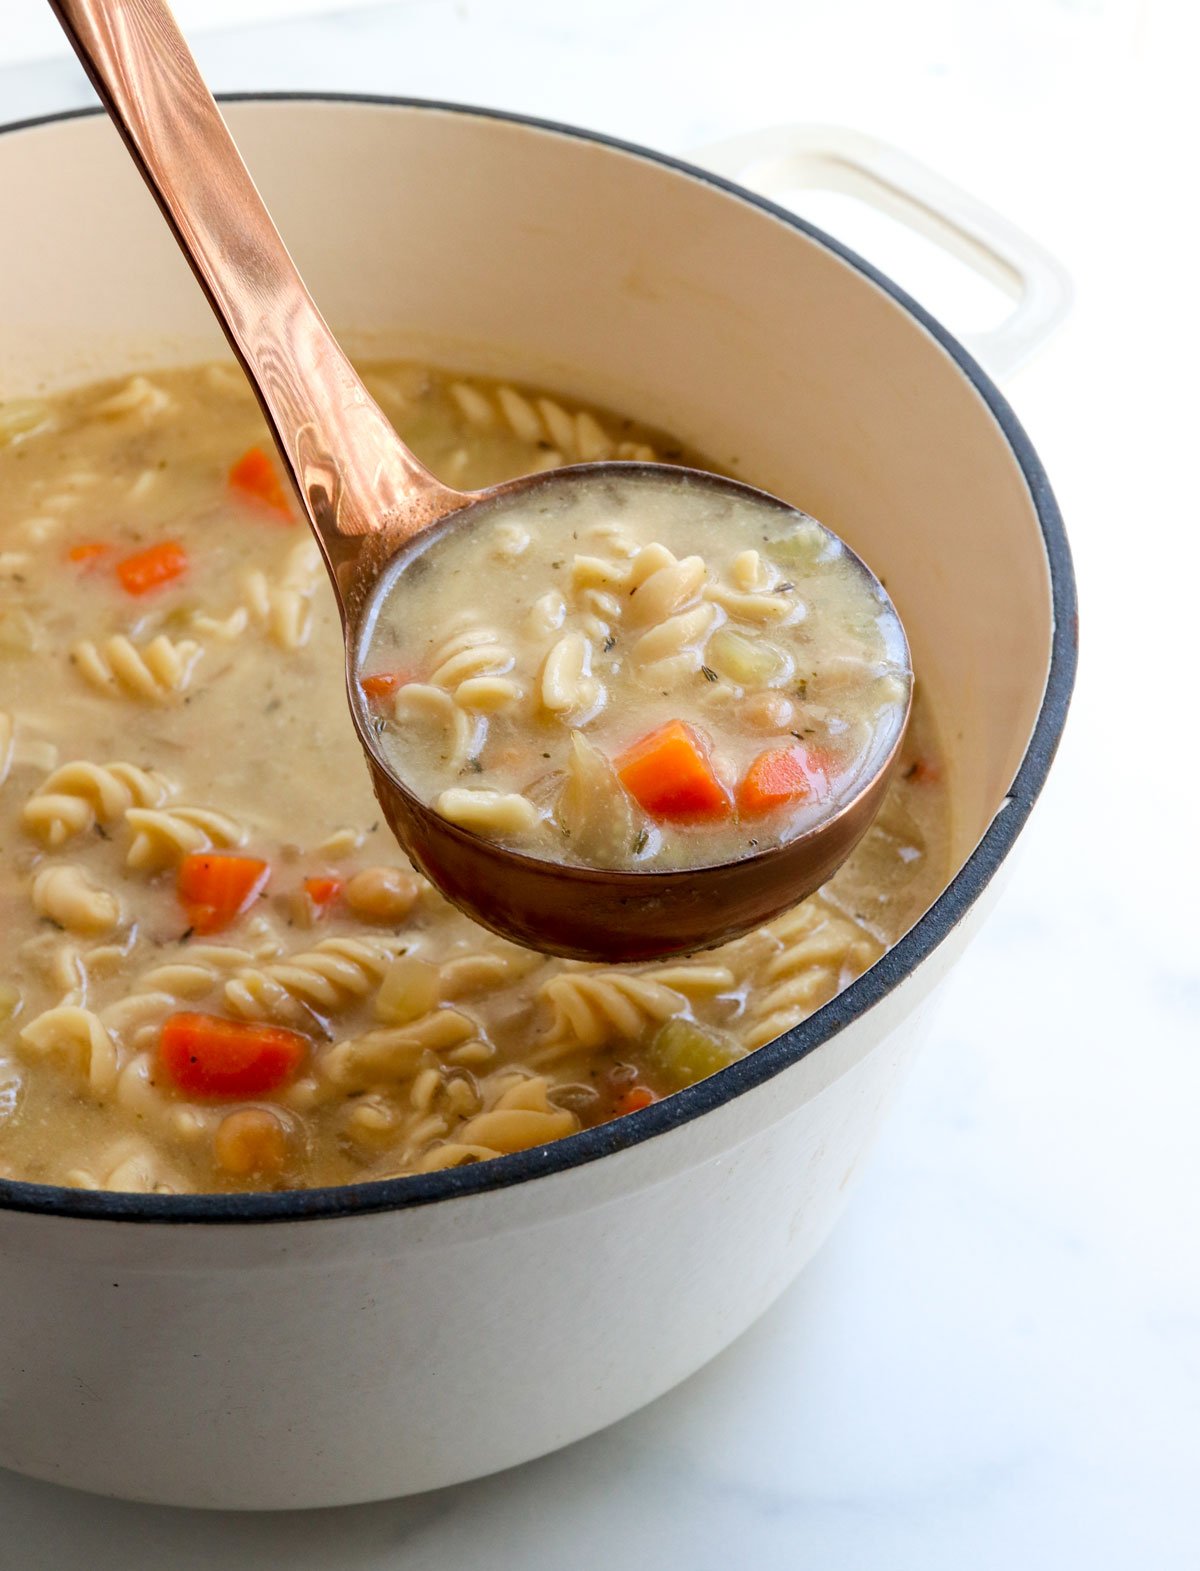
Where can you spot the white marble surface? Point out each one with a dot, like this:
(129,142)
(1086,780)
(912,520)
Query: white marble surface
(996,1361)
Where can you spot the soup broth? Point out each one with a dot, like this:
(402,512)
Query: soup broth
(219,972)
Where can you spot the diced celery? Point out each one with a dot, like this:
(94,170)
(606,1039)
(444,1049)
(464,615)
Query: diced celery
(684,1052)
(748,662)
(803,545)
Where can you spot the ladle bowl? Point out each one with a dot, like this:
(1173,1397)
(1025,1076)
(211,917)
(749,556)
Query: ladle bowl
(591,913)
(367,498)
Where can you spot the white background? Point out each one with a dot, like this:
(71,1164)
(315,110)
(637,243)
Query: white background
(995,1363)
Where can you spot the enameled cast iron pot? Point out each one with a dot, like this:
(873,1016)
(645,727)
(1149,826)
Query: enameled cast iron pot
(338,1345)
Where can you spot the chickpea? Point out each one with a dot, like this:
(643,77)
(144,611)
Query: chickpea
(249,1142)
(770,712)
(382,894)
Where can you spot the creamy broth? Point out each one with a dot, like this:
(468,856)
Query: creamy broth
(635,672)
(219,972)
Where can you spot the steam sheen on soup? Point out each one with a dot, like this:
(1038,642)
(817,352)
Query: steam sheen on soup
(652,672)
(219,972)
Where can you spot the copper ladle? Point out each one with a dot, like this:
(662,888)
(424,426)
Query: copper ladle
(366,497)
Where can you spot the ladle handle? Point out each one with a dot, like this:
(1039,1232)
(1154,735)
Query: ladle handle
(354,475)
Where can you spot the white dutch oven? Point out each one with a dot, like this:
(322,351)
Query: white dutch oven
(341,1345)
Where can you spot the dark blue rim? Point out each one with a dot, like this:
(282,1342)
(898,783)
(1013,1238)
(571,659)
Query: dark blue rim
(393,1194)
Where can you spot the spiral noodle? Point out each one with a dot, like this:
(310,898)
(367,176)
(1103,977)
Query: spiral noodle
(519,1118)
(226,628)
(663,596)
(154,672)
(589,1008)
(471,665)
(600,583)
(139,397)
(394,1052)
(59,962)
(67,896)
(284,609)
(495,814)
(162,836)
(757,594)
(663,584)
(198,970)
(335,974)
(129,1167)
(612,538)
(452,735)
(136,1019)
(80,794)
(821,951)
(566,686)
(480,973)
(564,436)
(79,1039)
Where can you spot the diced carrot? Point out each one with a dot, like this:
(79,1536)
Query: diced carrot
(785,774)
(255,479)
(635,1099)
(383,683)
(203,1055)
(216,888)
(148,569)
(322,892)
(669,773)
(88,551)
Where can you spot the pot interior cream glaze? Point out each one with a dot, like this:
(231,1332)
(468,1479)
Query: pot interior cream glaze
(325,1346)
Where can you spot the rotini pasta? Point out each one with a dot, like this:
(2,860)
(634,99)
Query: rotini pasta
(139,398)
(131,1166)
(284,608)
(443,726)
(522,1116)
(162,835)
(588,1008)
(154,672)
(576,437)
(198,970)
(337,972)
(566,686)
(394,1052)
(496,814)
(76,1038)
(820,952)
(472,666)
(79,795)
(67,897)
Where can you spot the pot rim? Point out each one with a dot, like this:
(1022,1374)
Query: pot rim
(590,1145)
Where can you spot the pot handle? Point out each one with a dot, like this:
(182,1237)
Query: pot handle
(838,159)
